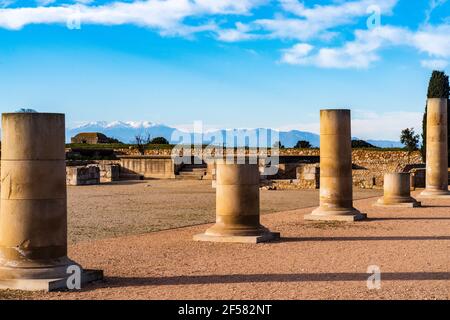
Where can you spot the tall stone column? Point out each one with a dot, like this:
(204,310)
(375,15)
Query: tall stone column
(436,157)
(336,185)
(397,191)
(33,216)
(237,206)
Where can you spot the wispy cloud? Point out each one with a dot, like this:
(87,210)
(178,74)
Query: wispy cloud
(365,48)
(434,64)
(6,3)
(309,22)
(433,4)
(359,53)
(166,16)
(44,3)
(312,26)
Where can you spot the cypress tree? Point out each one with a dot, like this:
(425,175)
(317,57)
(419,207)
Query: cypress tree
(438,87)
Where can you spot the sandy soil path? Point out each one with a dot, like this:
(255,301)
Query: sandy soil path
(312,261)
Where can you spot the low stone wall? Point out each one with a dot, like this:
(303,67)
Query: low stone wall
(369,165)
(109,172)
(82,175)
(308,176)
(156,167)
(417,178)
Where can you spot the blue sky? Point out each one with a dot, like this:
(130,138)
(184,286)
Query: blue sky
(248,63)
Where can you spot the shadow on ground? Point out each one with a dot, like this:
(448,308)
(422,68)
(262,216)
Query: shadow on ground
(382,238)
(262,278)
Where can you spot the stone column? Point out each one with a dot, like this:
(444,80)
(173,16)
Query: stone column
(437,157)
(237,206)
(397,191)
(33,216)
(336,185)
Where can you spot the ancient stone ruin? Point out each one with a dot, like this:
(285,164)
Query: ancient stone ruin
(397,191)
(237,206)
(437,156)
(33,216)
(336,198)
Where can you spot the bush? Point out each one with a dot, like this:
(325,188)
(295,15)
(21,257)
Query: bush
(159,140)
(303,144)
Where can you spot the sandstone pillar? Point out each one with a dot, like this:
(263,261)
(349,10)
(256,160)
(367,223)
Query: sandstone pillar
(437,157)
(33,216)
(397,191)
(336,185)
(237,206)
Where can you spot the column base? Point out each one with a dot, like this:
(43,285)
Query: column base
(434,194)
(264,237)
(411,204)
(349,215)
(48,285)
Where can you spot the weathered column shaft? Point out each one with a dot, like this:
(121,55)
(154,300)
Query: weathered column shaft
(237,198)
(336,185)
(397,191)
(33,218)
(436,157)
(335,160)
(237,206)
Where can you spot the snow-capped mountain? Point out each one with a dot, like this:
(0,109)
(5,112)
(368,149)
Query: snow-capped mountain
(126,131)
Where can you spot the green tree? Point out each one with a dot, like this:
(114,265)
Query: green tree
(438,87)
(303,144)
(362,144)
(159,140)
(409,139)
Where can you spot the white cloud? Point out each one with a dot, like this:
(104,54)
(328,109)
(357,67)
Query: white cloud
(6,3)
(360,53)
(286,28)
(297,54)
(311,22)
(44,3)
(434,64)
(366,125)
(364,49)
(336,14)
(434,40)
(164,15)
(433,4)
(237,34)
(309,25)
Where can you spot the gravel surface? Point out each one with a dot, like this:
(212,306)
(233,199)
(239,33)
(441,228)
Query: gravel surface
(136,207)
(314,260)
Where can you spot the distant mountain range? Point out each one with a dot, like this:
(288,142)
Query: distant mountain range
(126,131)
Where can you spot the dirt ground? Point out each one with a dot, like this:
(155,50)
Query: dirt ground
(313,260)
(136,207)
